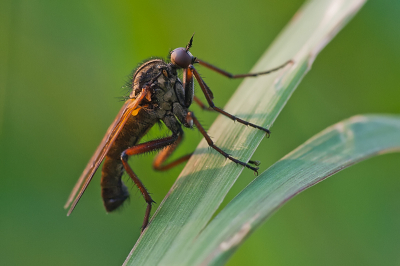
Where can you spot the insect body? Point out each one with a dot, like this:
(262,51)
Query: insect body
(157,95)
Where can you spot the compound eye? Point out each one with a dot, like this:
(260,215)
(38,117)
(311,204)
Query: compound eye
(165,73)
(181,58)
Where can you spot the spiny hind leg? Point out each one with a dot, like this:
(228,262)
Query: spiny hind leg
(139,149)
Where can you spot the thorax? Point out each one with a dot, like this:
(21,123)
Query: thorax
(165,95)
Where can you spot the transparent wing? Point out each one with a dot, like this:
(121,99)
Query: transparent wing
(112,133)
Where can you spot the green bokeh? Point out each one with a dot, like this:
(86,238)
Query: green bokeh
(62,64)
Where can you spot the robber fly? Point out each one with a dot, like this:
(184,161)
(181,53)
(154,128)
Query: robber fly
(157,95)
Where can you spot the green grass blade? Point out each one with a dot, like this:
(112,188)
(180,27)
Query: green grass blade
(328,152)
(207,177)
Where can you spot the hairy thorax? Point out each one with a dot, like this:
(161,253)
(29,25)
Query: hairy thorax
(167,95)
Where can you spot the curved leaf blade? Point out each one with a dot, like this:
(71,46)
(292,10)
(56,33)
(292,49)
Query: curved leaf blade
(328,152)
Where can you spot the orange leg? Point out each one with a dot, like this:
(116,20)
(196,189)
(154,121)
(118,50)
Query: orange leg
(164,154)
(142,148)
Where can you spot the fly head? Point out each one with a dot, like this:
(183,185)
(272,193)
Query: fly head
(181,57)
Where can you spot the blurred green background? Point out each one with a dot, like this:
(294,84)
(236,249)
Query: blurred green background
(62,66)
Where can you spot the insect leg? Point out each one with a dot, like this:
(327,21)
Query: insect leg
(190,116)
(201,104)
(164,154)
(188,86)
(138,149)
(229,75)
(205,90)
